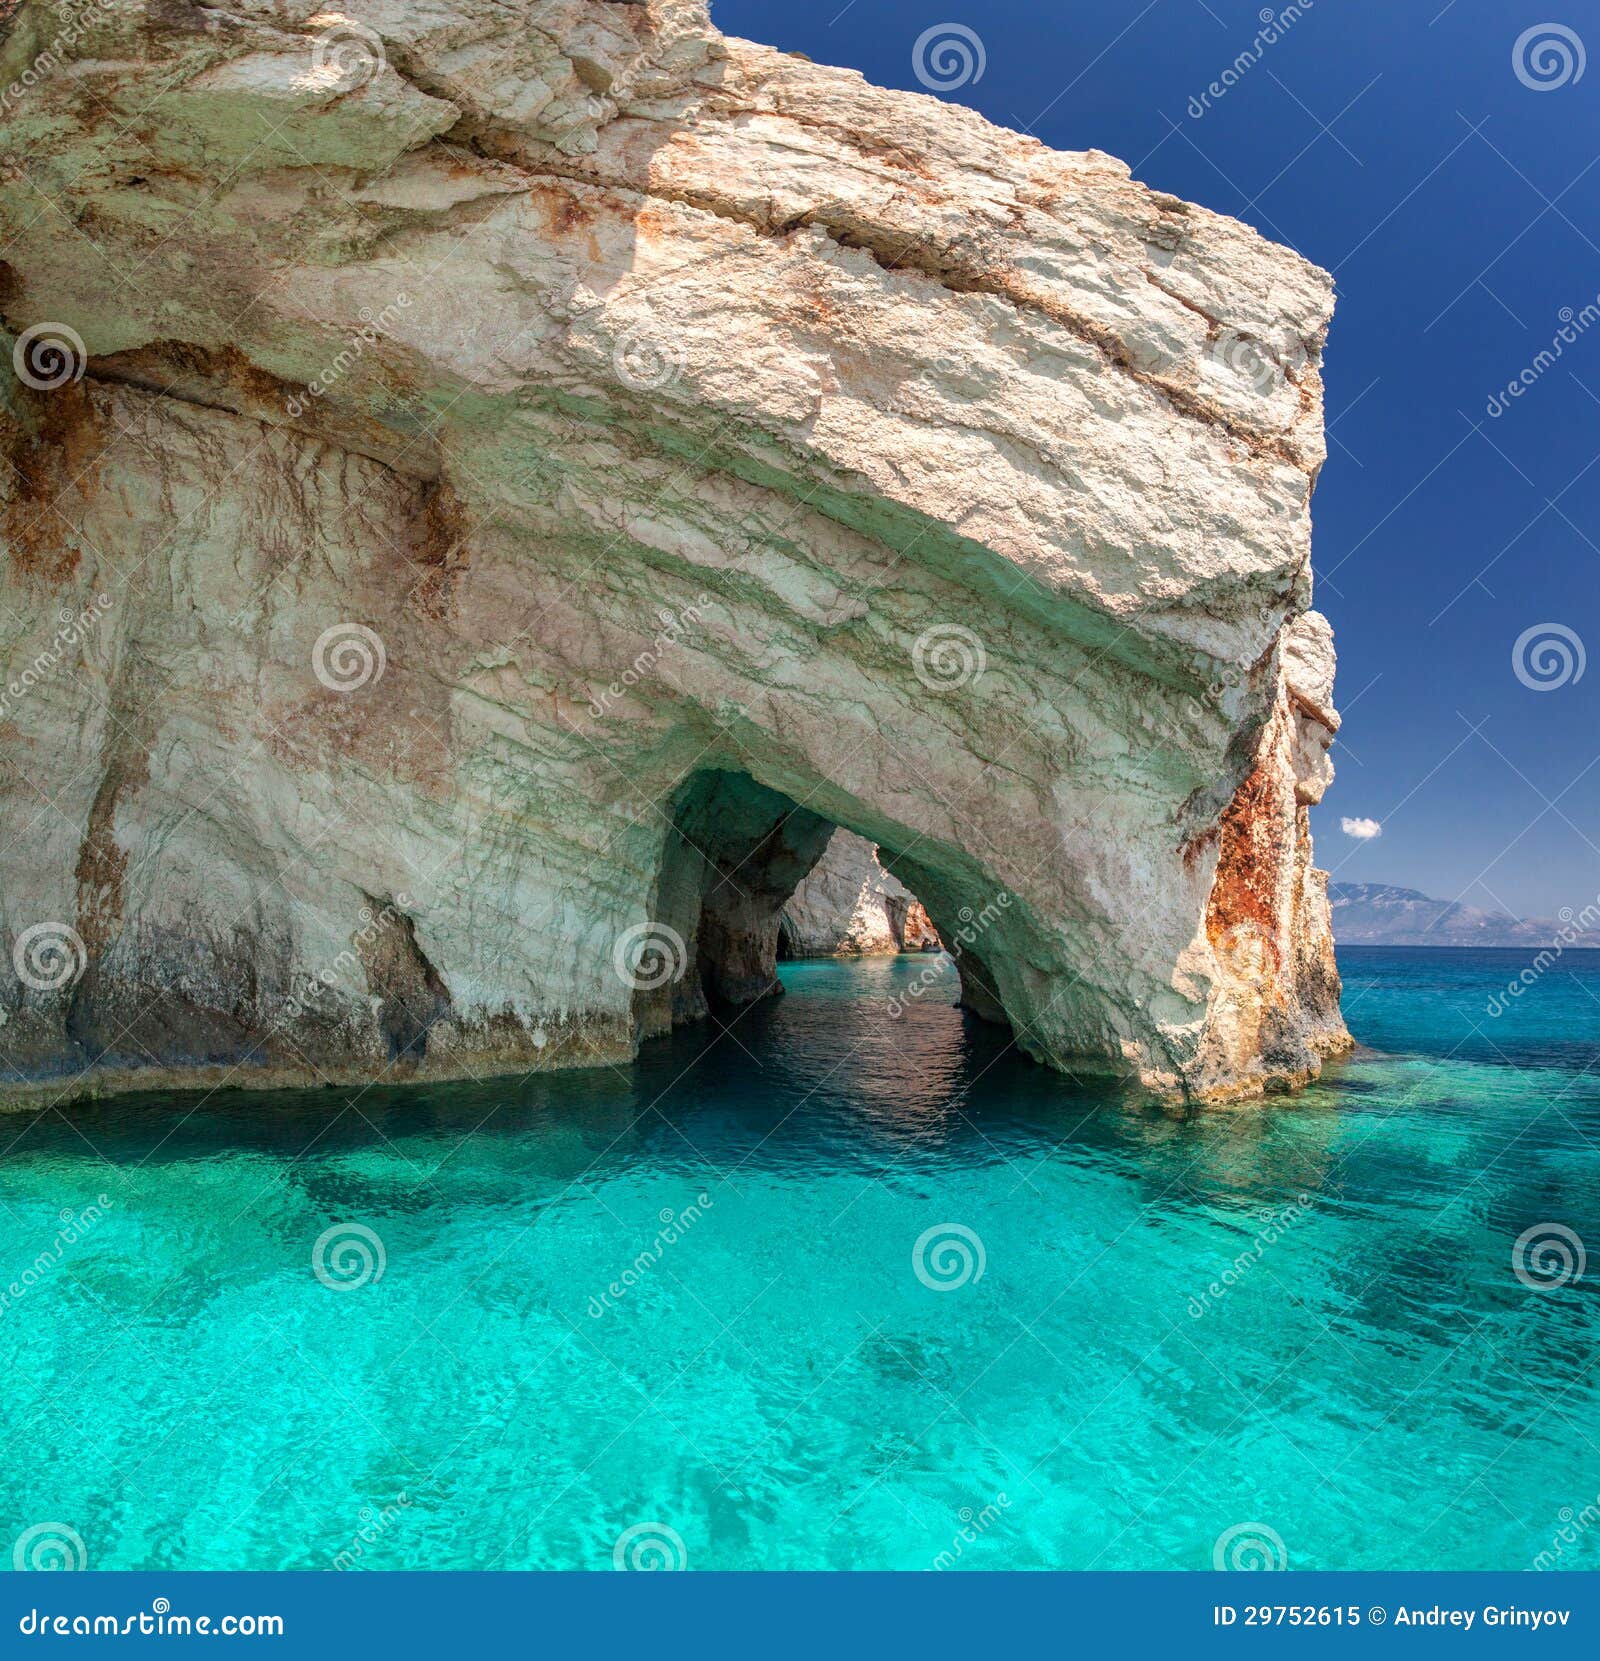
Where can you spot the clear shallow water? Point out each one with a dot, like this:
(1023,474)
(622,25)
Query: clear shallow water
(781,1389)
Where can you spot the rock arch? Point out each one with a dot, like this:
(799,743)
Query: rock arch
(734,853)
(573,404)
(851,905)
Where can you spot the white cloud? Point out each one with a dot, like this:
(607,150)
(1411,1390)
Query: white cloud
(1362,829)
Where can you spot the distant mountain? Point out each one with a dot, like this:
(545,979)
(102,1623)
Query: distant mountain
(1378,914)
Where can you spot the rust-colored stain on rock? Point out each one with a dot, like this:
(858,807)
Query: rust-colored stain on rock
(1253,843)
(55,465)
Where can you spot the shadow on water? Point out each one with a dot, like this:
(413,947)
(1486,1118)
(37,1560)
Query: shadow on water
(863,1066)
(868,1067)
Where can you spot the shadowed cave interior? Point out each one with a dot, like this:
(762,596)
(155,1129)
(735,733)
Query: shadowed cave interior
(735,852)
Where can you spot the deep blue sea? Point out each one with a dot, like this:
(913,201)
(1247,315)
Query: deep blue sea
(837,1288)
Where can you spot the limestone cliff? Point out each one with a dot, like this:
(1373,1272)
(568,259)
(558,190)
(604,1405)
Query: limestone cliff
(847,905)
(492,484)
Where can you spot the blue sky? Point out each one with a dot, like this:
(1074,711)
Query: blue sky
(1458,207)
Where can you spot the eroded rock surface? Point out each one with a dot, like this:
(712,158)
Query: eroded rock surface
(483,430)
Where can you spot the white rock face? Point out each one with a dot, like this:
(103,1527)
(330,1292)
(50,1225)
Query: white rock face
(519,473)
(847,905)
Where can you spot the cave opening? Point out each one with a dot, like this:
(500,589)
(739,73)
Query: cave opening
(750,877)
(852,904)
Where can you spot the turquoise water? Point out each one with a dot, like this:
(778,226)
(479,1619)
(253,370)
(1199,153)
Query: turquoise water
(1374,1385)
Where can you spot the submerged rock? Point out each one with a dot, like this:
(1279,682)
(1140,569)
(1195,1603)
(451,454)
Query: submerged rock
(493,485)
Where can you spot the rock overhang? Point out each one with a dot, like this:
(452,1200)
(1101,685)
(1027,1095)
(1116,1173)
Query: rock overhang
(499,333)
